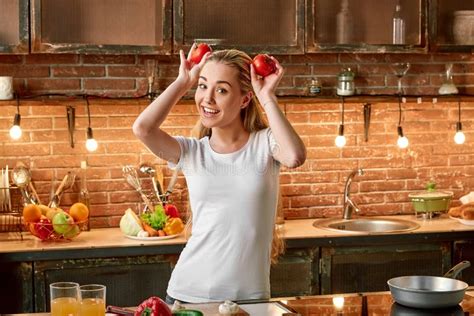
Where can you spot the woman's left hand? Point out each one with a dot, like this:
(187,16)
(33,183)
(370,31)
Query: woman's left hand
(265,87)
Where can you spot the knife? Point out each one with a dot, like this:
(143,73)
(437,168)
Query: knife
(71,122)
(367,110)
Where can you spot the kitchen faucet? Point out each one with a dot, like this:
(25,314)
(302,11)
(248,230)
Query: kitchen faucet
(350,205)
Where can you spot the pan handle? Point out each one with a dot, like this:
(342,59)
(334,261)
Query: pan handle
(454,271)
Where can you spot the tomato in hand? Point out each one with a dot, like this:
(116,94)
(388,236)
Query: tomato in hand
(199,52)
(264,65)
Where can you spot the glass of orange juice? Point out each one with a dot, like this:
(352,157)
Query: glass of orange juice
(64,298)
(92,300)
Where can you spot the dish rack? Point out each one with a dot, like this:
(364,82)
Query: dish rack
(11,219)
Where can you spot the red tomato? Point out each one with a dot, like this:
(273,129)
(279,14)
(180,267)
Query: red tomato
(264,65)
(199,52)
(171,210)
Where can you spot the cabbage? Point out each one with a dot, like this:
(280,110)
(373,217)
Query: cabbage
(130,224)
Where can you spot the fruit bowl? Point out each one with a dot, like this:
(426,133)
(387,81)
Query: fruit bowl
(46,231)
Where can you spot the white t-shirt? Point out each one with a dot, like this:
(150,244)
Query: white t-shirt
(233,199)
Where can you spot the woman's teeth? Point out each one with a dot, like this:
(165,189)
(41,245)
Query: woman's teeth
(209,110)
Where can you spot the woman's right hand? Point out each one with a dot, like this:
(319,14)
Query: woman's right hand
(189,71)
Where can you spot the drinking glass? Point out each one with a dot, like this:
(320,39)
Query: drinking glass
(400,70)
(64,298)
(92,300)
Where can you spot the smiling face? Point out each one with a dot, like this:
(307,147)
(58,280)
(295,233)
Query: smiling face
(218,97)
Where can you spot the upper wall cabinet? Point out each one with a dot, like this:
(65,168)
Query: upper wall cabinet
(14,26)
(452,27)
(105,26)
(271,26)
(366,25)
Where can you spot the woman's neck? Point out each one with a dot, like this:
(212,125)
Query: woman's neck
(228,140)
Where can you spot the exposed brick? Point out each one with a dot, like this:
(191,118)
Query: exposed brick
(109,84)
(77,71)
(108,59)
(53,84)
(52,59)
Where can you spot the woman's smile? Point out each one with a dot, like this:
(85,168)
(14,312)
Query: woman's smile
(209,112)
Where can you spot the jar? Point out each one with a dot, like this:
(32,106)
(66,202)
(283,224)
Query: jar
(463,27)
(345,83)
(315,87)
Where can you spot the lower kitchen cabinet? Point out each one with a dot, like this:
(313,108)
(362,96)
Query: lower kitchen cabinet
(296,273)
(464,250)
(16,287)
(367,269)
(129,280)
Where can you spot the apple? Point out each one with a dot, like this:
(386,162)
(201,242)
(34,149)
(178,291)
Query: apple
(43,228)
(199,52)
(264,65)
(75,230)
(62,222)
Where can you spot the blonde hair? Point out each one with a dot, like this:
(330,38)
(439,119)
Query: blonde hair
(253,121)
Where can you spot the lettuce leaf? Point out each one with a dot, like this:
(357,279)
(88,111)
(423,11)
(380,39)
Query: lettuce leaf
(156,219)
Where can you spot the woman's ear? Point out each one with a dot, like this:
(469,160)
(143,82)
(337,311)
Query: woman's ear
(246,99)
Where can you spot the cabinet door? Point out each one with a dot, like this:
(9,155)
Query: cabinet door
(101,26)
(365,25)
(14,27)
(296,273)
(271,26)
(16,291)
(452,25)
(464,250)
(129,280)
(367,269)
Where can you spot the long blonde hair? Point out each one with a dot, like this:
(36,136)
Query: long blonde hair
(253,121)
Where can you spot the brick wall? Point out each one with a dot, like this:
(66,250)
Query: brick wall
(312,190)
(124,75)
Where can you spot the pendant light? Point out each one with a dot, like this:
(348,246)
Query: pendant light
(459,137)
(340,140)
(15,130)
(91,143)
(402,141)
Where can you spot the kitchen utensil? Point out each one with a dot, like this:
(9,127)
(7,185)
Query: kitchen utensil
(173,180)
(430,291)
(367,110)
(71,123)
(21,177)
(400,310)
(131,176)
(151,172)
(84,193)
(65,184)
(429,202)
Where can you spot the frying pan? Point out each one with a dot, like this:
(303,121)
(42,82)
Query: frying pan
(430,291)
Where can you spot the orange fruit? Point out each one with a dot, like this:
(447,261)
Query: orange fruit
(79,212)
(31,213)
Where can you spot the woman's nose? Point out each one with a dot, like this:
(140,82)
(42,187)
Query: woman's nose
(209,97)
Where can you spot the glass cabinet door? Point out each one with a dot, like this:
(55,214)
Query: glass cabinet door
(14,27)
(366,25)
(263,26)
(101,26)
(452,27)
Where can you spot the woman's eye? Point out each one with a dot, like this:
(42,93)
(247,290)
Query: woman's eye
(221,90)
(201,86)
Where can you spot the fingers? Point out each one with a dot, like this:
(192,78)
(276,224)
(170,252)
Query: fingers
(191,50)
(204,59)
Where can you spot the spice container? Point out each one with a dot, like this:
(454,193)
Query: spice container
(314,87)
(345,84)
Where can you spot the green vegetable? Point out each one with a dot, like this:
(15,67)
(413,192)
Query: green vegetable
(157,219)
(431,186)
(130,223)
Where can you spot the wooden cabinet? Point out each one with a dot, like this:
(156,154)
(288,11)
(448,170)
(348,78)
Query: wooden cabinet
(464,250)
(129,280)
(365,25)
(275,26)
(452,25)
(14,27)
(16,287)
(367,268)
(105,26)
(296,273)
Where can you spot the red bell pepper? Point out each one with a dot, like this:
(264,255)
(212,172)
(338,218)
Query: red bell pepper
(171,210)
(153,306)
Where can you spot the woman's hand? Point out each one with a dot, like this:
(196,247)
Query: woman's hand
(189,71)
(265,87)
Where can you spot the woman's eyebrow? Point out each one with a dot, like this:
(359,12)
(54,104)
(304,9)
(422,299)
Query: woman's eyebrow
(219,81)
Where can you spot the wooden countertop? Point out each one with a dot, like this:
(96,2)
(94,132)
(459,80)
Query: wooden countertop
(294,231)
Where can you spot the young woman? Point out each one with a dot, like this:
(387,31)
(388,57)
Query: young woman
(231,171)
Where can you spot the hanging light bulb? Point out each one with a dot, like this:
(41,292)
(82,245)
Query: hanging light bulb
(340,140)
(459,137)
(91,143)
(15,130)
(402,141)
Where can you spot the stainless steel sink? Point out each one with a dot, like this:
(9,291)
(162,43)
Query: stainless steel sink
(370,225)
